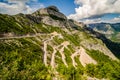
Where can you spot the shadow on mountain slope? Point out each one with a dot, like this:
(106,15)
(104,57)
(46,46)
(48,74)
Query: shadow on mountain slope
(113,46)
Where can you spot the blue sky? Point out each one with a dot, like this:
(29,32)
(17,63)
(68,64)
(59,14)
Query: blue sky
(65,6)
(87,11)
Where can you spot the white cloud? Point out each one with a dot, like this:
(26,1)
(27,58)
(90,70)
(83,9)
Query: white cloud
(88,8)
(16,6)
(88,21)
(114,20)
(99,20)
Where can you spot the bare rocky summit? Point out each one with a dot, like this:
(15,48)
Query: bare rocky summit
(52,16)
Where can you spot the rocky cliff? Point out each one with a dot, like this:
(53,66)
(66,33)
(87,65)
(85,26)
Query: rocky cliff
(52,16)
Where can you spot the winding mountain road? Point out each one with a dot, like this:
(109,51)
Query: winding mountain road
(54,34)
(77,53)
(84,58)
(23,36)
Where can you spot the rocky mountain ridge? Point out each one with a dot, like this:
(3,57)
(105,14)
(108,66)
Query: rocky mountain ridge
(52,16)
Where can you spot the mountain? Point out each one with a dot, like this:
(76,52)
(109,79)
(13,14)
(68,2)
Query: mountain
(111,31)
(46,45)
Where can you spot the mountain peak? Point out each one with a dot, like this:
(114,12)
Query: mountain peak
(48,10)
(52,16)
(53,8)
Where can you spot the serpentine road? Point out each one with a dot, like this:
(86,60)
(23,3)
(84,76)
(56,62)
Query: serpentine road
(23,36)
(84,58)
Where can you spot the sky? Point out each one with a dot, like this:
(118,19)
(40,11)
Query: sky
(87,11)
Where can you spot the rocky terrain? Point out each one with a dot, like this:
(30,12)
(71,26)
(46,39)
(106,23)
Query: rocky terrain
(46,45)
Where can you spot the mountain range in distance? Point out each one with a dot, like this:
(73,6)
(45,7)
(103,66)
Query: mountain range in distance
(111,31)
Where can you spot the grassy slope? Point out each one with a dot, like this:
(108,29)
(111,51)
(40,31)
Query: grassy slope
(23,59)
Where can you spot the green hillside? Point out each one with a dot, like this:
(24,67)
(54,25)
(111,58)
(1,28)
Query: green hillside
(31,49)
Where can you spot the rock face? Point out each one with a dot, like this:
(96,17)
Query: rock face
(52,16)
(102,48)
(85,58)
(75,24)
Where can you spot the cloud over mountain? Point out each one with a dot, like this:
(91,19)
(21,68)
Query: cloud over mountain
(90,8)
(16,6)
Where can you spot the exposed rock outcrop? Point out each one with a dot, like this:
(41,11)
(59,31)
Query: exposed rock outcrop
(52,16)
(75,24)
(85,58)
(99,47)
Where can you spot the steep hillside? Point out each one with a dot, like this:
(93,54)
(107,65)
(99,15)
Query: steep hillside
(111,31)
(46,45)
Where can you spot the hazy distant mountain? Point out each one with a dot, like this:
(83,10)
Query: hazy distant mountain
(111,31)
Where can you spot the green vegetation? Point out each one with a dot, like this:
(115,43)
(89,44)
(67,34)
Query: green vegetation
(74,39)
(114,37)
(9,24)
(70,73)
(58,40)
(114,47)
(23,58)
(106,68)
(68,53)
(22,62)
